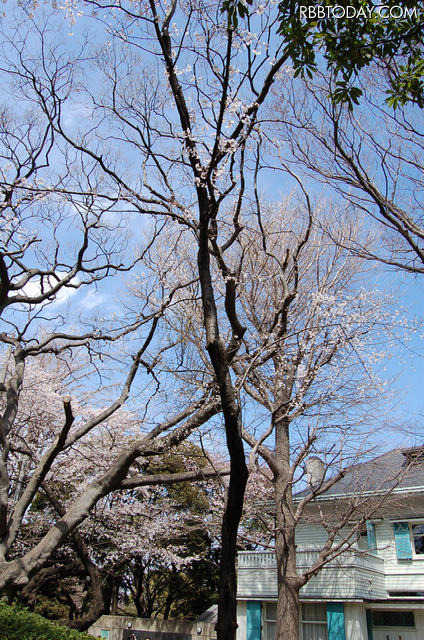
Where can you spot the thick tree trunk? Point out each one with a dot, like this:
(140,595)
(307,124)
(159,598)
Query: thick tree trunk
(288,580)
(227,608)
(289,583)
(287,612)
(220,358)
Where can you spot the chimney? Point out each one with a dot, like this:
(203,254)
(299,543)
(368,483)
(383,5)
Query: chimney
(413,455)
(315,471)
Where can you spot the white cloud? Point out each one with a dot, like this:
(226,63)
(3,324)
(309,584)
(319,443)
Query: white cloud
(33,288)
(92,300)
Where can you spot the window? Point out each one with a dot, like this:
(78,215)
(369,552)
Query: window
(363,541)
(314,621)
(393,619)
(418,538)
(406,594)
(367,540)
(371,537)
(270,620)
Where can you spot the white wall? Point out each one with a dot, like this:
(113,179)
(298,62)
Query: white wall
(241,620)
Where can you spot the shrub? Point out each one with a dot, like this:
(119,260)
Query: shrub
(19,624)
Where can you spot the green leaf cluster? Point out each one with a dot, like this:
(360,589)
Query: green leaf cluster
(19,624)
(234,9)
(349,44)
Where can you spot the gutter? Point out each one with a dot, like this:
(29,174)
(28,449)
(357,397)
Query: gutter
(380,492)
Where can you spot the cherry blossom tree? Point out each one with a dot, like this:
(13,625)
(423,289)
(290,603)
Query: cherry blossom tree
(143,542)
(307,372)
(158,137)
(149,542)
(127,524)
(315,335)
(190,153)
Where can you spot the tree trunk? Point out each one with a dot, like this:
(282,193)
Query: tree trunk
(289,583)
(288,610)
(170,594)
(114,599)
(219,356)
(288,580)
(138,574)
(227,610)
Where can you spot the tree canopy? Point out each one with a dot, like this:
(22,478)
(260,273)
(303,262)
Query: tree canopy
(348,37)
(144,270)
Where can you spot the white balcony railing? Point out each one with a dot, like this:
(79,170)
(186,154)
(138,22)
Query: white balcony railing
(307,557)
(353,574)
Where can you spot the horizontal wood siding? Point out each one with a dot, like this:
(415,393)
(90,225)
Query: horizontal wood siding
(350,576)
(311,535)
(356,624)
(401,575)
(257,583)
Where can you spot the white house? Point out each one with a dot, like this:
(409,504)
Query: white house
(374,591)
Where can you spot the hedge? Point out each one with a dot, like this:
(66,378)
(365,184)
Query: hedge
(19,624)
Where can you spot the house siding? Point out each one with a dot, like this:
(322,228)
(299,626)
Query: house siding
(355,621)
(401,575)
(359,580)
(352,576)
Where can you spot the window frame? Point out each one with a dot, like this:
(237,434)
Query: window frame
(323,623)
(266,620)
(414,523)
(367,538)
(409,524)
(393,626)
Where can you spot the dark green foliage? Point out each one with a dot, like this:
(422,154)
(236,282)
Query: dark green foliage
(313,33)
(189,591)
(19,624)
(348,44)
(234,9)
(50,606)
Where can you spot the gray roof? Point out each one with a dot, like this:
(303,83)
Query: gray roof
(400,469)
(210,615)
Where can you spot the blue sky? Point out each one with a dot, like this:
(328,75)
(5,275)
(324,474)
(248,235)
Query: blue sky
(407,365)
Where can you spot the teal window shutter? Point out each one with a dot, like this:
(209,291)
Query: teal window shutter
(335,621)
(253,621)
(402,540)
(104,633)
(369,624)
(371,537)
